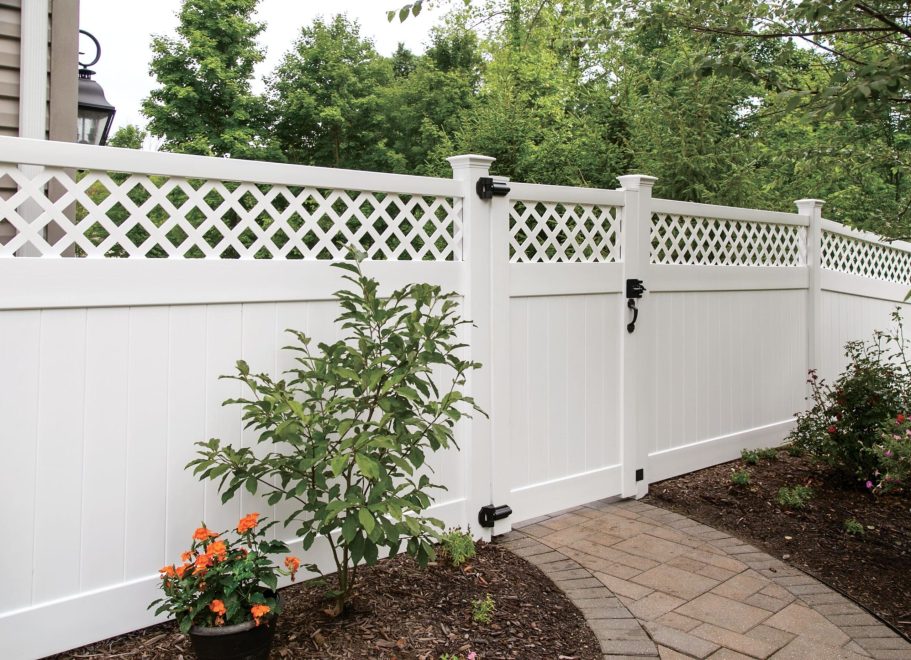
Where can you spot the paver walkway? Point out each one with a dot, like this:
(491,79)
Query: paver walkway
(655,583)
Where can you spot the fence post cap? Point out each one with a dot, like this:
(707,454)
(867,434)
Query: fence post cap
(636,181)
(806,206)
(470,160)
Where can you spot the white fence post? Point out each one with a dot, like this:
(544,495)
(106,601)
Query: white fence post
(480,254)
(636,356)
(812,210)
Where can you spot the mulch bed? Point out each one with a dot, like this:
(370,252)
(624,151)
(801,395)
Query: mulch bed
(407,612)
(873,569)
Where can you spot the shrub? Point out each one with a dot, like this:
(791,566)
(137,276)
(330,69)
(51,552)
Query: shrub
(853,527)
(482,610)
(458,546)
(794,450)
(845,418)
(893,453)
(351,425)
(749,456)
(740,478)
(767,454)
(224,581)
(795,497)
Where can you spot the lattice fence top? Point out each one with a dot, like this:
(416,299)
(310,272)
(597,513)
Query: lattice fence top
(866,259)
(102,214)
(681,239)
(554,232)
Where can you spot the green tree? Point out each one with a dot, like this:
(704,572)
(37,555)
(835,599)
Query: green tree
(128,137)
(325,96)
(423,110)
(204,104)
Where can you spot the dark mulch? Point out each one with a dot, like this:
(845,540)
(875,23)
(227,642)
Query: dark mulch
(873,569)
(407,612)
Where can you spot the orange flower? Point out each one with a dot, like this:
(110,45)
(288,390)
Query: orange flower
(218,607)
(185,557)
(181,570)
(203,534)
(259,611)
(217,550)
(168,571)
(202,564)
(247,523)
(293,564)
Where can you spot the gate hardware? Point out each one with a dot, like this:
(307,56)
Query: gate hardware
(487,188)
(634,291)
(631,326)
(634,288)
(490,513)
(640,474)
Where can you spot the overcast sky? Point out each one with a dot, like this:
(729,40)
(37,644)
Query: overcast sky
(125,28)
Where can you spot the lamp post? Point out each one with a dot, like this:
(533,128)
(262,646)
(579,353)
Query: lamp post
(95,115)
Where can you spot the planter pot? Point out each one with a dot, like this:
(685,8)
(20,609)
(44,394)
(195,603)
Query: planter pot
(244,641)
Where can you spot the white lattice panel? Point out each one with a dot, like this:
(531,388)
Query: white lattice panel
(681,239)
(136,216)
(856,257)
(553,232)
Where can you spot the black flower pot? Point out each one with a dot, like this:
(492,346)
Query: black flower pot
(244,641)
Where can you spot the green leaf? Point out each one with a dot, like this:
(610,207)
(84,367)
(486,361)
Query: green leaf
(368,466)
(337,465)
(366,520)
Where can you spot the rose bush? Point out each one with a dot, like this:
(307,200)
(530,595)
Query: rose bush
(846,418)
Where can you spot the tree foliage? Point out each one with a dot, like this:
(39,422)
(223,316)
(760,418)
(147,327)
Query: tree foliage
(204,104)
(326,97)
(742,102)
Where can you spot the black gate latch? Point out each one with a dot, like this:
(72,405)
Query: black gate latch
(487,188)
(490,513)
(634,290)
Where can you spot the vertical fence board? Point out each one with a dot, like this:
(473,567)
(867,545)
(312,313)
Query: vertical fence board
(186,424)
(20,334)
(224,332)
(147,442)
(61,418)
(104,474)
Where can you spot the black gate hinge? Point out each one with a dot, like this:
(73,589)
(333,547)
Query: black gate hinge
(640,474)
(490,513)
(487,188)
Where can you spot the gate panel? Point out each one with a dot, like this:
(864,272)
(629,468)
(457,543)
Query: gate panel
(564,349)
(564,402)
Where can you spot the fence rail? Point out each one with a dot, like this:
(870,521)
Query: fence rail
(130,280)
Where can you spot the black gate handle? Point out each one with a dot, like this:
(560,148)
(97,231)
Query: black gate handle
(631,303)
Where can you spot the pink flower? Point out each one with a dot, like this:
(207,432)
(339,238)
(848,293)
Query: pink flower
(869,485)
(888,453)
(472,656)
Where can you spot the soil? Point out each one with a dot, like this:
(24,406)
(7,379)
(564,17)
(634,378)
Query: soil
(403,611)
(873,569)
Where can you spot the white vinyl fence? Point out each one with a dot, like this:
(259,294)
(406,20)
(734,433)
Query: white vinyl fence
(132,280)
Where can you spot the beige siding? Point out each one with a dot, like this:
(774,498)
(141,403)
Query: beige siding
(9,87)
(9,66)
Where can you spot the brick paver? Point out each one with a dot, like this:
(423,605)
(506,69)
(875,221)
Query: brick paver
(652,583)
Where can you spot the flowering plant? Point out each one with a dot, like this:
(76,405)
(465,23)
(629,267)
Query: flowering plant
(845,420)
(224,581)
(894,455)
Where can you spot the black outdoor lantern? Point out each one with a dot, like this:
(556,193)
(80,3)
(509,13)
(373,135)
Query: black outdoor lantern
(94,115)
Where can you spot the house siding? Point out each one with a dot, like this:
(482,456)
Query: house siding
(62,80)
